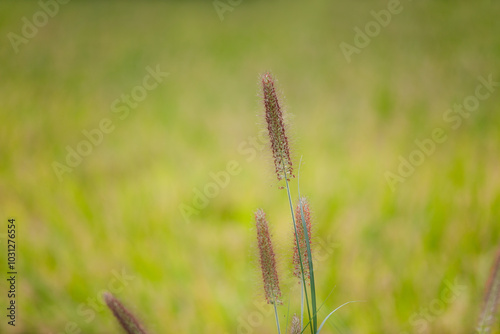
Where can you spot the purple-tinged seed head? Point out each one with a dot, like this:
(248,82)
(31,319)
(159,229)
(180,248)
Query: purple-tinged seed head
(276,129)
(302,241)
(126,319)
(267,259)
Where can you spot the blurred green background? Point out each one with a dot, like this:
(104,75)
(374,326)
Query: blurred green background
(119,210)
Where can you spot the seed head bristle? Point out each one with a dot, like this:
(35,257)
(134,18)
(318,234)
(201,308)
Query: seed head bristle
(276,129)
(491,299)
(267,259)
(295,326)
(124,317)
(302,241)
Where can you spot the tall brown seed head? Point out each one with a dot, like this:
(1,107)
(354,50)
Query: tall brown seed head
(276,129)
(302,241)
(126,319)
(267,259)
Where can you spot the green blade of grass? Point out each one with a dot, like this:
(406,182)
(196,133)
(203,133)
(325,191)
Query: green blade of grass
(298,246)
(276,315)
(309,256)
(328,316)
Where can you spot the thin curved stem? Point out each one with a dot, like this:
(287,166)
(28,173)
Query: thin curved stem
(309,257)
(297,243)
(276,315)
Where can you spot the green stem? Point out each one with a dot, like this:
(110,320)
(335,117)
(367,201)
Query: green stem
(311,270)
(297,241)
(309,255)
(276,315)
(287,316)
(302,288)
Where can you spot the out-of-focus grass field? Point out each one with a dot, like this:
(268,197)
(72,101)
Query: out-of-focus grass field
(119,209)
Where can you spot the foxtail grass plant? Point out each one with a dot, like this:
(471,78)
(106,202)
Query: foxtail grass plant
(276,129)
(302,258)
(267,259)
(301,218)
(302,246)
(126,319)
(268,263)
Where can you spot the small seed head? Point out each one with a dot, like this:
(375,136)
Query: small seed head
(295,326)
(126,319)
(302,241)
(267,259)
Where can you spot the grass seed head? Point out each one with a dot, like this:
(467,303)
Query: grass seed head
(295,326)
(267,259)
(276,129)
(126,319)
(302,241)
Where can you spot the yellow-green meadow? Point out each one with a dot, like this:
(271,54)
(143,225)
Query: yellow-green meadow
(133,159)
